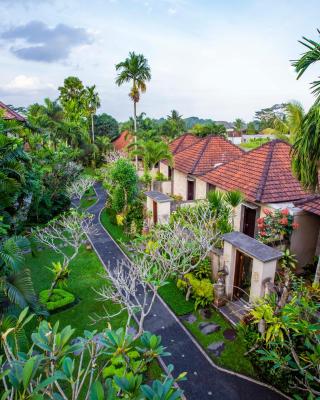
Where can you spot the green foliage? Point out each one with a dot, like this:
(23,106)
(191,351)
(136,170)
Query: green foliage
(203,270)
(33,375)
(254,143)
(134,218)
(286,340)
(200,289)
(123,184)
(105,125)
(173,126)
(57,299)
(209,129)
(176,299)
(160,177)
(276,226)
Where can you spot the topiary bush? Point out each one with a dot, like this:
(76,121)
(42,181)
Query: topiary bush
(59,298)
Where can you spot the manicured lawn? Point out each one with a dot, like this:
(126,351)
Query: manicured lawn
(115,231)
(88,199)
(176,299)
(83,280)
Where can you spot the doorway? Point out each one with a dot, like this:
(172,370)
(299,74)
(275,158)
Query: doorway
(190,190)
(249,221)
(242,276)
(155,212)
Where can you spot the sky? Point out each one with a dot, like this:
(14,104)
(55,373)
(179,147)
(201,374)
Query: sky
(219,59)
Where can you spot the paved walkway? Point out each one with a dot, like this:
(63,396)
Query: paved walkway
(205,380)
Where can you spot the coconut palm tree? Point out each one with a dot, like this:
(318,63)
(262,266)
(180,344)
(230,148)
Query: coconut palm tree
(92,104)
(239,124)
(308,58)
(233,198)
(134,69)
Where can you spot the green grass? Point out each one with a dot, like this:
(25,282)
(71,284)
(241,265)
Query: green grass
(175,298)
(115,231)
(254,143)
(88,199)
(83,280)
(232,357)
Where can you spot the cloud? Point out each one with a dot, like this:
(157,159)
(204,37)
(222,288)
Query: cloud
(46,44)
(26,84)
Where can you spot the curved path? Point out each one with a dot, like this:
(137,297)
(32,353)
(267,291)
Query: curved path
(204,380)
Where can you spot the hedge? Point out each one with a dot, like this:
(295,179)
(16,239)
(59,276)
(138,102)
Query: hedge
(58,299)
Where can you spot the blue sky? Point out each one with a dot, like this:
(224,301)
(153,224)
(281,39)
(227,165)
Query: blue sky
(216,59)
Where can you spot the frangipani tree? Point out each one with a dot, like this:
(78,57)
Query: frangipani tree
(65,235)
(174,250)
(79,187)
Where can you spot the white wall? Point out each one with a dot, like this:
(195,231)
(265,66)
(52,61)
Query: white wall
(201,189)
(179,184)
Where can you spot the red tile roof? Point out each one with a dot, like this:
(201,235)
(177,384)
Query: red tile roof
(310,203)
(205,154)
(122,141)
(182,142)
(11,114)
(263,175)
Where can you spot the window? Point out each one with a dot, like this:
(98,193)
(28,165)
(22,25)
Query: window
(169,173)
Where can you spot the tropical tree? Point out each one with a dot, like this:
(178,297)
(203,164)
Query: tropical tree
(72,98)
(151,153)
(209,129)
(105,125)
(134,69)
(174,125)
(307,59)
(292,124)
(92,101)
(239,124)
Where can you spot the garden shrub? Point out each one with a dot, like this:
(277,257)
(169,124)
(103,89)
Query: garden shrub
(160,177)
(203,270)
(201,290)
(118,365)
(58,299)
(134,218)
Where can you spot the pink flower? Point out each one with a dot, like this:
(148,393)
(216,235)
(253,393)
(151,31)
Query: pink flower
(285,211)
(295,225)
(263,233)
(260,220)
(283,221)
(267,211)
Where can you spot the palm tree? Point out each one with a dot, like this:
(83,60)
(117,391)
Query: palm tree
(151,153)
(234,198)
(92,103)
(308,58)
(239,124)
(134,69)
(291,126)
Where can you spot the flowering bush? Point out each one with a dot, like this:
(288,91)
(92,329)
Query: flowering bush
(275,226)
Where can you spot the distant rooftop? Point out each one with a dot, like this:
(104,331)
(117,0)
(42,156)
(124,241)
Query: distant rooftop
(11,114)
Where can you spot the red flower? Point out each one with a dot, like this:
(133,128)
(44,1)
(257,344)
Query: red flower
(295,225)
(263,233)
(267,211)
(260,220)
(285,211)
(283,221)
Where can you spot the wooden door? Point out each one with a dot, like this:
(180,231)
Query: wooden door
(249,221)
(242,276)
(155,212)
(190,190)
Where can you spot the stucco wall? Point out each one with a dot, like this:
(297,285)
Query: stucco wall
(163,168)
(260,273)
(163,211)
(304,240)
(201,189)
(180,184)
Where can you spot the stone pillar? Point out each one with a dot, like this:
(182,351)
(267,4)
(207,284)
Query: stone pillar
(261,271)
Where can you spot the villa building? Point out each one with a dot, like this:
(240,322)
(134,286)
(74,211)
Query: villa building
(10,114)
(122,142)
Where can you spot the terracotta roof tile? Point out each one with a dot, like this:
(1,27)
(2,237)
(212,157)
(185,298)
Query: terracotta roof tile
(205,154)
(182,142)
(263,174)
(310,203)
(11,114)
(122,141)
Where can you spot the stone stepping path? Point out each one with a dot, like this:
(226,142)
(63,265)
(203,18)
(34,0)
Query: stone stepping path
(208,327)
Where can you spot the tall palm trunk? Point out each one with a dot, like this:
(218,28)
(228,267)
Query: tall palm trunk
(92,128)
(135,128)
